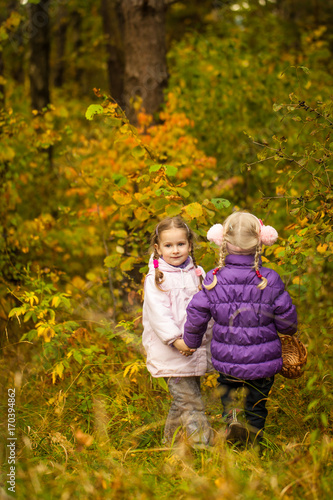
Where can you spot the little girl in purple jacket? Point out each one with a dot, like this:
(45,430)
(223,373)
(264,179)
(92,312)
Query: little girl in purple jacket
(249,305)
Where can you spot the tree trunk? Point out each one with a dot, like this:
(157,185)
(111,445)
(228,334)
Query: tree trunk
(145,53)
(114,48)
(39,56)
(77,46)
(61,33)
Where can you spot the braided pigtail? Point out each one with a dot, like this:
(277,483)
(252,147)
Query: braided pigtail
(223,254)
(263,283)
(159,276)
(198,271)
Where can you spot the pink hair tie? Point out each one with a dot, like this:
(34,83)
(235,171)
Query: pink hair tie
(198,271)
(155,262)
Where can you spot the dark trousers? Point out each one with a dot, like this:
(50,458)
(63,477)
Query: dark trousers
(255,401)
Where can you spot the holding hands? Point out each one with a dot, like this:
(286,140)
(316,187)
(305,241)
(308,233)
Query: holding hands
(183,348)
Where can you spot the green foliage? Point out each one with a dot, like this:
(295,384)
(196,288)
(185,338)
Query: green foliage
(227,80)
(81,191)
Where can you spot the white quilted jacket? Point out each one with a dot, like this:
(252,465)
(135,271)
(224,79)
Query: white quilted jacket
(164,316)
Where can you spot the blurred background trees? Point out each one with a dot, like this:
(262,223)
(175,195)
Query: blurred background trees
(118,113)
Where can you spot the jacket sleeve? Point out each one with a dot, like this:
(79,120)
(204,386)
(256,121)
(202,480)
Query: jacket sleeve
(285,315)
(159,314)
(198,316)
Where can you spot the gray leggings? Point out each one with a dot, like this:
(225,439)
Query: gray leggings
(187,410)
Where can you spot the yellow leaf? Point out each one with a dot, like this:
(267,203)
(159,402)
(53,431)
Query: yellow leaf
(127,265)
(122,197)
(279,251)
(194,210)
(55,301)
(6,153)
(78,283)
(280,190)
(46,332)
(57,371)
(322,247)
(141,213)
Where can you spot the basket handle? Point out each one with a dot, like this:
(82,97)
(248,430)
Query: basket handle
(296,340)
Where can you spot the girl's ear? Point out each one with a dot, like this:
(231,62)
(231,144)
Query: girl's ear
(157,249)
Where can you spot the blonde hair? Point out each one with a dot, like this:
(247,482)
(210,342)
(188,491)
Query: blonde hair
(165,224)
(241,230)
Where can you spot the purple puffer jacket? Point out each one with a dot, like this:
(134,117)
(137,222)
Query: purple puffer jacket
(245,341)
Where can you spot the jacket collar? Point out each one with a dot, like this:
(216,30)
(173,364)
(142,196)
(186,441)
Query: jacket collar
(240,260)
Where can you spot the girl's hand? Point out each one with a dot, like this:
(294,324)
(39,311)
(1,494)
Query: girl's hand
(183,348)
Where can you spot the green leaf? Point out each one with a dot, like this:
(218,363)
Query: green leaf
(93,109)
(163,191)
(27,316)
(324,419)
(183,192)
(170,170)
(154,168)
(138,152)
(162,383)
(119,179)
(114,122)
(112,260)
(220,203)
(173,210)
(77,356)
(120,234)
(159,204)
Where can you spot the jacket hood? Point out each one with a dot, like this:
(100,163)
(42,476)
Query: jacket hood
(165,267)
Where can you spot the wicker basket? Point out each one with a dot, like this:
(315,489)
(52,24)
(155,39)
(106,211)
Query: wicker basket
(294,355)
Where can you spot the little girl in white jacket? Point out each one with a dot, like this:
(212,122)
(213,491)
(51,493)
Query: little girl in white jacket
(171,282)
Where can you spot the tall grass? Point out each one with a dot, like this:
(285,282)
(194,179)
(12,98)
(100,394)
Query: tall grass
(99,435)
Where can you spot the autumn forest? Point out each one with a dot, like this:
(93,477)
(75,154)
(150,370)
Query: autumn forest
(115,114)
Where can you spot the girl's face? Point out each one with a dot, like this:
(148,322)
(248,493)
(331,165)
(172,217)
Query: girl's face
(174,246)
